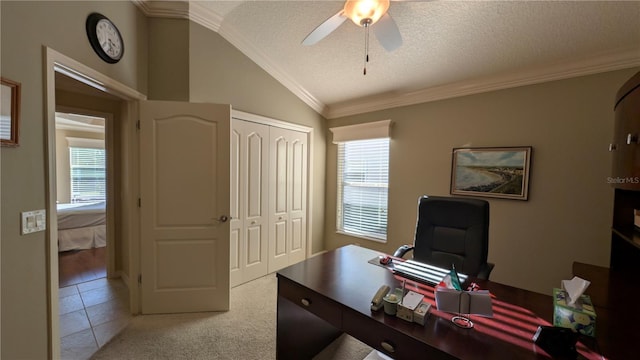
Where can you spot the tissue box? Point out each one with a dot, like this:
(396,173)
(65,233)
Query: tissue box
(580,316)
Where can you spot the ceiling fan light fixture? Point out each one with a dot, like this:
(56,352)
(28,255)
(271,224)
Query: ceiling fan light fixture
(367,12)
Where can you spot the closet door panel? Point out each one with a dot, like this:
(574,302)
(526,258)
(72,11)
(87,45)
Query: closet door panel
(298,188)
(252,189)
(255,179)
(279,200)
(234,249)
(278,257)
(254,246)
(296,235)
(236,231)
(288,202)
(298,169)
(279,164)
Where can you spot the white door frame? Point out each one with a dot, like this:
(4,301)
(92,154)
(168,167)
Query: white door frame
(241,115)
(55,61)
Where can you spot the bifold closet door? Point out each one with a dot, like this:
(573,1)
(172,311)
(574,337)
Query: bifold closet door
(287,197)
(249,196)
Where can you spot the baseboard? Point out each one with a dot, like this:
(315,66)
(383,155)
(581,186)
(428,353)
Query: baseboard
(318,253)
(125,278)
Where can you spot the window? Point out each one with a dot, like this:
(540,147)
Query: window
(88,175)
(363,177)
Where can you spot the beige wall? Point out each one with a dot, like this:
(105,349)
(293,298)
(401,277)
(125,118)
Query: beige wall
(168,59)
(28,26)
(567,218)
(25,28)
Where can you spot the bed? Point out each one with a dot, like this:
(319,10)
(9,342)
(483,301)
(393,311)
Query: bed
(81,226)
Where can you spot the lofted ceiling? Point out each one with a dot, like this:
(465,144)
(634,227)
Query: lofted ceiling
(450,48)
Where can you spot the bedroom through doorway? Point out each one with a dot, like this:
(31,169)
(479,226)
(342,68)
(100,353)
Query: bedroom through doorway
(93,308)
(81,173)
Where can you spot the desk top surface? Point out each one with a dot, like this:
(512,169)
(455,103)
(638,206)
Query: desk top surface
(346,276)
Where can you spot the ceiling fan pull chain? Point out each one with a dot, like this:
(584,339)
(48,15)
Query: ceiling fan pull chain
(366,46)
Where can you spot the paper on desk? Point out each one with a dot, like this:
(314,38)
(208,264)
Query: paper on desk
(411,300)
(464,302)
(575,288)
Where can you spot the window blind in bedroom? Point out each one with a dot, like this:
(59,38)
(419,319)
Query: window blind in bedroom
(88,175)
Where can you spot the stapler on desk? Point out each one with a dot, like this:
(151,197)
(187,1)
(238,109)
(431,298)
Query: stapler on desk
(377,300)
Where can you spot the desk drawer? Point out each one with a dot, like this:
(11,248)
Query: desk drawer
(386,339)
(311,301)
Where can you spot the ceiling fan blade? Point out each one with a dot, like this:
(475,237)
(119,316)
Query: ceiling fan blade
(324,29)
(387,33)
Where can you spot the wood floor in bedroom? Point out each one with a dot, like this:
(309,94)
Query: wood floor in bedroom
(93,308)
(79,266)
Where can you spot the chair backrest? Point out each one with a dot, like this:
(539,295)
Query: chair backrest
(452,230)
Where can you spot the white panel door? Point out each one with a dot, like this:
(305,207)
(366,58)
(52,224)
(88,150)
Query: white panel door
(185,173)
(288,197)
(298,188)
(249,193)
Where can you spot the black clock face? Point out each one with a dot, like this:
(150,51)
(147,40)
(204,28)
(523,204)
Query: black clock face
(104,37)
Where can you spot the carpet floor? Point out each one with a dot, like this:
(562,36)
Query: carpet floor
(246,331)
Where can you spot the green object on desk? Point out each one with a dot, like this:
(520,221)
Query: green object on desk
(580,316)
(455,280)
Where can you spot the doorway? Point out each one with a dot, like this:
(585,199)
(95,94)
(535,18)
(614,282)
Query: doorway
(93,306)
(79,91)
(81,193)
(93,299)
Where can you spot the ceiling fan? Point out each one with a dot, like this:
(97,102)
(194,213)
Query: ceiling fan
(364,13)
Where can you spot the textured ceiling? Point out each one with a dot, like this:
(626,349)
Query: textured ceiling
(450,48)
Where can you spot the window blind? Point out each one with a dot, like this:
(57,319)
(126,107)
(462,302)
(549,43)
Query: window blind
(363,177)
(88,175)
(5,127)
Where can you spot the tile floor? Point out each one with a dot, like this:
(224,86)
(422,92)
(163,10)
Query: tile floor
(91,313)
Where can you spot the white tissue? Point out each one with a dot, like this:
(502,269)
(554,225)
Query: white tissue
(575,288)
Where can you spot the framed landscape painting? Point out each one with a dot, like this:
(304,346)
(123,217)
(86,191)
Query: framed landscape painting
(494,172)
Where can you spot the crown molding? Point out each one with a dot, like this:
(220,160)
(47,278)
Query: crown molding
(205,16)
(199,14)
(196,12)
(165,9)
(608,62)
(281,76)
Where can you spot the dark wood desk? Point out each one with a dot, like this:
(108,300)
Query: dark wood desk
(324,296)
(615,297)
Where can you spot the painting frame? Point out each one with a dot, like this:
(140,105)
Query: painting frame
(10,117)
(497,172)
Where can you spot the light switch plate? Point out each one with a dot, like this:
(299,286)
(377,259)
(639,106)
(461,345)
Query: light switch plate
(34,221)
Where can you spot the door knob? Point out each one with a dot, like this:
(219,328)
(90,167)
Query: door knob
(632,139)
(223,218)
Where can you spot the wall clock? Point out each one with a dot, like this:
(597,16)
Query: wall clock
(105,38)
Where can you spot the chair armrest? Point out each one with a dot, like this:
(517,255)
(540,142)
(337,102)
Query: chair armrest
(485,271)
(403,250)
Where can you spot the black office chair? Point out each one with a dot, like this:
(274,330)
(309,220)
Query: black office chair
(452,230)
